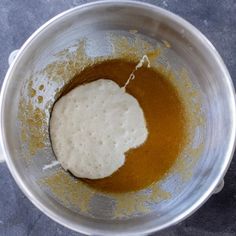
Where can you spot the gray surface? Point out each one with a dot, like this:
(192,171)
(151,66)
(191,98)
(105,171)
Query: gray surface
(215,18)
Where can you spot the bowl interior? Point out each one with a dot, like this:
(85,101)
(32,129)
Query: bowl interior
(62,48)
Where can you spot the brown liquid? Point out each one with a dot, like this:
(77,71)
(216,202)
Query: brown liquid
(165,117)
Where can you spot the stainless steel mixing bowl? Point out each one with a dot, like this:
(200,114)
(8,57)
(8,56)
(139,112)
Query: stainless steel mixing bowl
(191,49)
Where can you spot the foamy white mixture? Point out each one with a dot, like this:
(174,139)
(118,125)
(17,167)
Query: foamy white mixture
(93,126)
(51,165)
(139,65)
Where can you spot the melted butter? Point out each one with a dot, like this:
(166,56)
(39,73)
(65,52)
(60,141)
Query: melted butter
(41,87)
(40,99)
(165,116)
(34,120)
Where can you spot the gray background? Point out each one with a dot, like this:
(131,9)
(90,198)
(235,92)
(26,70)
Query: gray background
(20,18)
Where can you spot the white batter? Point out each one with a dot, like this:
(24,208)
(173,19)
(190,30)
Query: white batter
(93,126)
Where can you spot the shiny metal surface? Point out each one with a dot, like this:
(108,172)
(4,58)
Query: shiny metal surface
(198,56)
(2,159)
(10,60)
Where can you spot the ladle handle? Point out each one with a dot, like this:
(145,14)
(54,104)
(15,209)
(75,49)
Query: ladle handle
(10,60)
